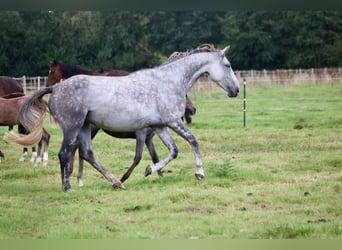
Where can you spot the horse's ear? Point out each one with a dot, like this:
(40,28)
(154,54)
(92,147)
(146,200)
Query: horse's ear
(225,50)
(53,63)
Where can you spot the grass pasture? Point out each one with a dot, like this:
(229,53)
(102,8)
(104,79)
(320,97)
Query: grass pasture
(280,177)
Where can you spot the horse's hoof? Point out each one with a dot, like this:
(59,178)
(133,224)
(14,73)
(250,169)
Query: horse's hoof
(118,185)
(160,173)
(67,189)
(199,176)
(148,171)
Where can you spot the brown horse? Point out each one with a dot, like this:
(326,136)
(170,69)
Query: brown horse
(9,85)
(10,106)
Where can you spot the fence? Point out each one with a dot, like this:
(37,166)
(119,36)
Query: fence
(280,77)
(292,76)
(255,77)
(32,83)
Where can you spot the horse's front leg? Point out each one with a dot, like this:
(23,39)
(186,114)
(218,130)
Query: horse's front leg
(168,141)
(23,155)
(180,128)
(34,155)
(39,153)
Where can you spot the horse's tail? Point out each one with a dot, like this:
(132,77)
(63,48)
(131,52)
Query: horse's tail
(31,116)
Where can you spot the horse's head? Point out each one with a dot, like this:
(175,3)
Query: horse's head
(55,73)
(222,73)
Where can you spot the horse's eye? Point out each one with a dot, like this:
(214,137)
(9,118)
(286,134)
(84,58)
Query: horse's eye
(228,66)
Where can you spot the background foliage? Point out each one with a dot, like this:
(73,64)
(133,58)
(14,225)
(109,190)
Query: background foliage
(133,40)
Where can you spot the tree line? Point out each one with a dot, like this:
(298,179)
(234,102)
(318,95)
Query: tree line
(130,40)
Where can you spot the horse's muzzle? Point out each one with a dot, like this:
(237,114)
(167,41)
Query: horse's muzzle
(233,93)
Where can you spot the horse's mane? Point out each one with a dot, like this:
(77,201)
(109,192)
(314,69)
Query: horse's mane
(202,48)
(69,69)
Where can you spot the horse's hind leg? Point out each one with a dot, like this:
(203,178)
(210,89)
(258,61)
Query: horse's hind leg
(68,147)
(168,141)
(80,171)
(94,131)
(140,137)
(71,165)
(86,152)
(184,132)
(152,150)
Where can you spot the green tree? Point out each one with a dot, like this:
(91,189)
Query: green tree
(12,40)
(181,30)
(123,44)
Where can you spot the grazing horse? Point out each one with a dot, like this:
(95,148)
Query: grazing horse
(10,107)
(59,71)
(146,98)
(11,88)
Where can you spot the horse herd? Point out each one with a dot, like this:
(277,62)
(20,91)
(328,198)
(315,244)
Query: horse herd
(134,105)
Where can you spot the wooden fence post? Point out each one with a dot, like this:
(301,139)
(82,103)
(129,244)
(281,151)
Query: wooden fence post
(24,84)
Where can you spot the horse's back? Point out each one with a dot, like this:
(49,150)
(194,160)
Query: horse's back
(9,85)
(112,103)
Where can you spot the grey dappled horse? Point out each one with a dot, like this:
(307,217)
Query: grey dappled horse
(147,98)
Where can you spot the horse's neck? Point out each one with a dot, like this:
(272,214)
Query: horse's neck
(187,69)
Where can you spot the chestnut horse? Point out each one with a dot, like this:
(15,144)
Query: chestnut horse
(11,88)
(9,85)
(10,106)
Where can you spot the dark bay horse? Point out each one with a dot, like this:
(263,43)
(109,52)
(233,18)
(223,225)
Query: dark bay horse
(10,107)
(146,98)
(59,71)
(11,88)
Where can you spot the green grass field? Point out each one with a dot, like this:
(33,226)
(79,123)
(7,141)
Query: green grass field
(280,177)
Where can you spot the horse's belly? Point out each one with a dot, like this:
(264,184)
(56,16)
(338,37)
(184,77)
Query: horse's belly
(122,122)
